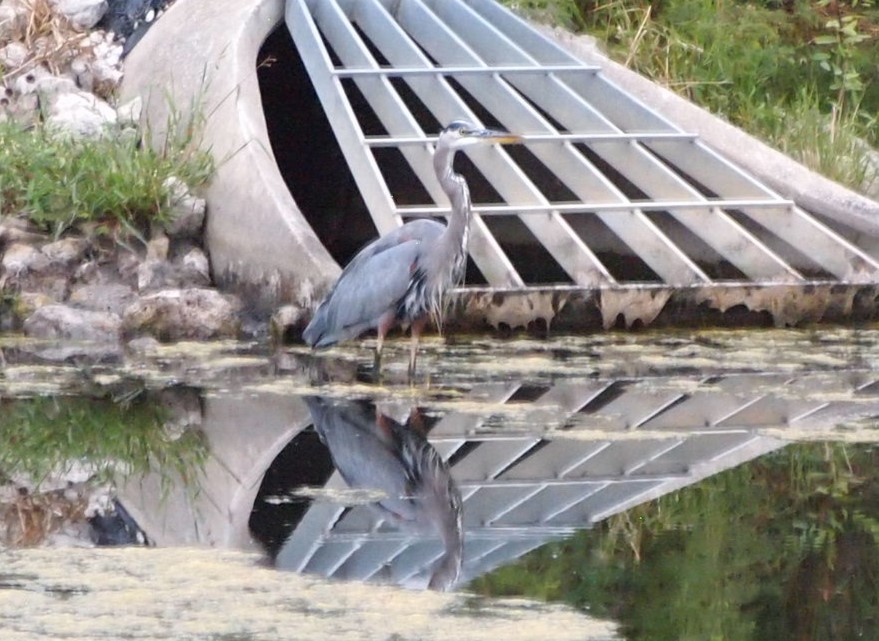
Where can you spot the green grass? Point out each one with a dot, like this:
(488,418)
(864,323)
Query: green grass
(800,75)
(116,183)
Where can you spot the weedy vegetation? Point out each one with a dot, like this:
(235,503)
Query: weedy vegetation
(801,75)
(116,183)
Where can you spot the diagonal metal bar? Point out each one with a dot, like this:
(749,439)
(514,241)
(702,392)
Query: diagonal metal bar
(566,248)
(636,230)
(570,108)
(307,21)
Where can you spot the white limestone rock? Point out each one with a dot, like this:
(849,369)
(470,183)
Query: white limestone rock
(80,114)
(102,297)
(13,19)
(63,322)
(82,14)
(187,211)
(14,54)
(128,114)
(20,259)
(196,266)
(65,251)
(183,314)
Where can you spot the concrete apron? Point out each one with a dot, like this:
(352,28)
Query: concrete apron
(199,61)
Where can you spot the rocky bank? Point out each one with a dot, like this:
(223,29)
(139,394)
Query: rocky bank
(60,64)
(60,70)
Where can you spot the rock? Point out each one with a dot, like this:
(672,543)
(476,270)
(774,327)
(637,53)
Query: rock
(181,314)
(13,21)
(156,272)
(27,83)
(129,113)
(19,230)
(187,211)
(14,54)
(102,297)
(65,251)
(287,323)
(20,259)
(80,114)
(182,409)
(143,344)
(153,272)
(29,302)
(98,68)
(196,269)
(82,14)
(107,63)
(61,321)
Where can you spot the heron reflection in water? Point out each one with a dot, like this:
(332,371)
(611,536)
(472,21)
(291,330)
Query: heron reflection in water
(372,451)
(403,277)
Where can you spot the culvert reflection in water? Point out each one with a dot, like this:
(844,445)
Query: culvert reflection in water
(544,441)
(395,485)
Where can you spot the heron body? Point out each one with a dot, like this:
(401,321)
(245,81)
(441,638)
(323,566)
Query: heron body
(403,277)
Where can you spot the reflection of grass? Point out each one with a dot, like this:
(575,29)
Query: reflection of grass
(785,547)
(42,436)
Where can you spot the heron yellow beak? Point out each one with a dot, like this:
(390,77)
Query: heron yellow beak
(499,137)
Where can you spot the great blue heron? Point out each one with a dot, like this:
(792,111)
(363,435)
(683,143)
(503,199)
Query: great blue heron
(402,277)
(373,451)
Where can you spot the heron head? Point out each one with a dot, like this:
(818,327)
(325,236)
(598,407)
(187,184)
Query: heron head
(461,133)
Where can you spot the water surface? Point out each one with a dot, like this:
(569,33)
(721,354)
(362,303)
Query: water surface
(714,484)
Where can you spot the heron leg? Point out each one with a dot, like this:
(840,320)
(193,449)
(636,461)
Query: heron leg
(417,328)
(384,327)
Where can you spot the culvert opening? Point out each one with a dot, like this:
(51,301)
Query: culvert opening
(308,155)
(315,171)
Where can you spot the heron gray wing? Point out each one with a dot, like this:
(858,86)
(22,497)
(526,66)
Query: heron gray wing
(363,295)
(422,229)
(371,284)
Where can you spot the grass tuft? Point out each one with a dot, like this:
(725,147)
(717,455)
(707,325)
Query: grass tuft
(116,183)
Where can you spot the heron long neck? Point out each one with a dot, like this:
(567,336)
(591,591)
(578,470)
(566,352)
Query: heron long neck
(454,238)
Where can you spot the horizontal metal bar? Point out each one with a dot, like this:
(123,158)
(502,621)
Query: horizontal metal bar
(588,208)
(471,290)
(391,141)
(566,482)
(505,533)
(394,72)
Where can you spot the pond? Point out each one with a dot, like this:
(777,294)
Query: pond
(677,485)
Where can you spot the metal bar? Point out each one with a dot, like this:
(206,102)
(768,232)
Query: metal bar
(505,533)
(574,170)
(341,114)
(396,119)
(603,480)
(565,246)
(799,229)
(726,236)
(398,72)
(572,110)
(523,33)
(555,138)
(718,285)
(590,208)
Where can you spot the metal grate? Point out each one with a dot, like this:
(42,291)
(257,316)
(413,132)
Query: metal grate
(615,194)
